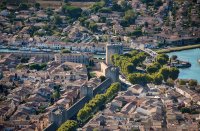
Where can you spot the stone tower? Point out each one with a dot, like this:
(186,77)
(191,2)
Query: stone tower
(113,48)
(57,116)
(112,72)
(86,90)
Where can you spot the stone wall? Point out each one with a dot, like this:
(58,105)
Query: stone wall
(66,114)
(102,87)
(76,107)
(51,127)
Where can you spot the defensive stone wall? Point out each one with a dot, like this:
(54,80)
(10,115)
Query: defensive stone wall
(66,114)
(51,127)
(102,87)
(76,107)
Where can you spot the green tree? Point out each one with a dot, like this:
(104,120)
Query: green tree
(57,19)
(105,10)
(23,6)
(72,11)
(93,26)
(165,72)
(24,60)
(37,6)
(112,91)
(182,82)
(174,72)
(170,82)
(91,107)
(69,125)
(193,82)
(49,11)
(157,79)
(129,68)
(56,94)
(103,78)
(138,78)
(116,7)
(162,59)
(136,33)
(185,110)
(3,5)
(65,51)
(152,68)
(38,67)
(32,30)
(130,16)
(98,5)
(157,4)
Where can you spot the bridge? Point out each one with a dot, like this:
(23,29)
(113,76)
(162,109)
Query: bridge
(141,47)
(150,52)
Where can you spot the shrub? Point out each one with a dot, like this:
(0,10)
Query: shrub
(192,82)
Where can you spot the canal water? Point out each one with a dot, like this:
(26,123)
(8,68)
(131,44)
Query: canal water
(191,56)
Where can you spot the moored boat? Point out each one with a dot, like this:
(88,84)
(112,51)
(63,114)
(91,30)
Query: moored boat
(24,49)
(35,49)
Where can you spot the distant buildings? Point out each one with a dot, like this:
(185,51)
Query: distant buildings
(72,57)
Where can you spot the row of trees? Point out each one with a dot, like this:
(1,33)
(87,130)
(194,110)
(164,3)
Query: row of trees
(38,67)
(157,78)
(69,125)
(97,102)
(190,82)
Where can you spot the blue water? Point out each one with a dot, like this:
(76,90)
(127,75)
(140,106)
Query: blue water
(192,56)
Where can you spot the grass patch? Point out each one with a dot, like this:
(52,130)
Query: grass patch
(173,49)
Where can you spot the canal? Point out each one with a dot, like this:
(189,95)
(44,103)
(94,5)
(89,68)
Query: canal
(191,56)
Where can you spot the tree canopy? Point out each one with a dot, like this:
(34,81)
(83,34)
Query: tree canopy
(69,125)
(95,104)
(130,16)
(162,59)
(71,11)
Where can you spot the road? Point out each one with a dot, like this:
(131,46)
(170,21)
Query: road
(122,79)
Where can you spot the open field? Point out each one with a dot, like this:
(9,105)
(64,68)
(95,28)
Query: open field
(58,3)
(53,3)
(82,5)
(178,48)
(50,3)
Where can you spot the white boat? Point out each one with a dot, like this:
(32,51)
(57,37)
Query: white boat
(35,49)
(46,50)
(13,48)
(24,49)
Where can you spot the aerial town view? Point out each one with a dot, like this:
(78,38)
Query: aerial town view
(99,65)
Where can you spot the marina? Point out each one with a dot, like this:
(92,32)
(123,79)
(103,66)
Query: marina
(192,56)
